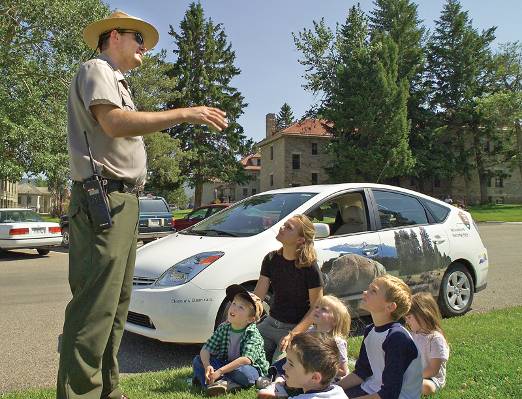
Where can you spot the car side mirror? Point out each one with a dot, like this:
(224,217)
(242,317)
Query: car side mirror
(322,230)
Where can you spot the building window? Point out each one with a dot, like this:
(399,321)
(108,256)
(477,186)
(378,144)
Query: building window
(488,183)
(314,148)
(436,182)
(271,180)
(254,191)
(499,200)
(271,153)
(259,162)
(315,178)
(499,181)
(245,192)
(296,161)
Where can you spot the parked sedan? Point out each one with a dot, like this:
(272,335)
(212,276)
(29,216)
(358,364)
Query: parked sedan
(197,215)
(155,219)
(362,231)
(24,228)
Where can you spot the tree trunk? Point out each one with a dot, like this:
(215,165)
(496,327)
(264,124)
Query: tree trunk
(198,193)
(518,131)
(481,169)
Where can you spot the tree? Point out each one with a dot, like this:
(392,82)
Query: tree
(368,107)
(41,48)
(204,69)
(285,117)
(458,59)
(153,88)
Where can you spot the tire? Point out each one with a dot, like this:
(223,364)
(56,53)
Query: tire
(42,251)
(223,309)
(65,237)
(456,291)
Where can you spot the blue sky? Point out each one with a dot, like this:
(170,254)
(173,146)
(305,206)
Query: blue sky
(261,36)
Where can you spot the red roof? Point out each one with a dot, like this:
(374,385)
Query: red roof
(247,162)
(309,127)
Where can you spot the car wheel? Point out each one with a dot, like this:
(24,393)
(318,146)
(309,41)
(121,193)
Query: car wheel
(42,251)
(223,309)
(456,291)
(65,237)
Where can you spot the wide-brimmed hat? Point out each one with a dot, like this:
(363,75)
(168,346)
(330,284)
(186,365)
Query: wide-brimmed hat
(236,289)
(120,20)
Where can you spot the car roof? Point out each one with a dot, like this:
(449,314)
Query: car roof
(327,189)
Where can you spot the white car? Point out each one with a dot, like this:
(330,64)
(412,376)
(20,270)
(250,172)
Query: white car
(363,230)
(24,228)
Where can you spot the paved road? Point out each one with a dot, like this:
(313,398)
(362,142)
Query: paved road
(34,293)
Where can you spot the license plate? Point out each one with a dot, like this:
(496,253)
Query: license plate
(38,230)
(154,222)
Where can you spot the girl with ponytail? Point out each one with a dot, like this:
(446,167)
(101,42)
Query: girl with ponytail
(296,282)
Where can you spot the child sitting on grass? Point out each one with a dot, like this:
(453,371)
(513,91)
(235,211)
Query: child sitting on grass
(389,364)
(312,363)
(424,323)
(234,355)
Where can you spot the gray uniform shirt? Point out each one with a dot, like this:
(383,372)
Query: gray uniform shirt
(122,158)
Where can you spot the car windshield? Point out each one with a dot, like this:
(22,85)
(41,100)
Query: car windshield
(251,216)
(153,205)
(22,215)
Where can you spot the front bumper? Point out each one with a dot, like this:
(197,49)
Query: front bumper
(182,314)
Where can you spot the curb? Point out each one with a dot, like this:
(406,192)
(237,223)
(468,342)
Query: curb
(498,222)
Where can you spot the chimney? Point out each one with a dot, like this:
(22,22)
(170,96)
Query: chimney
(270,125)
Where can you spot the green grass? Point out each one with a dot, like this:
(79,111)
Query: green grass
(497,213)
(181,213)
(48,218)
(485,362)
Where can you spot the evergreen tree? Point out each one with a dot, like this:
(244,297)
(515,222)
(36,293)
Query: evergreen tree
(458,59)
(152,90)
(285,117)
(204,69)
(368,107)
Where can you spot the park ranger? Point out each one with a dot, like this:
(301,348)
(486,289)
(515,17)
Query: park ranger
(102,117)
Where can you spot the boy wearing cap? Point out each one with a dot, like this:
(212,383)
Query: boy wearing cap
(101,257)
(234,356)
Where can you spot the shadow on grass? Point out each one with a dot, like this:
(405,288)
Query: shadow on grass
(139,354)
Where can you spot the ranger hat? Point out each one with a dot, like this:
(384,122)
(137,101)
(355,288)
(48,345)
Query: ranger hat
(123,21)
(236,289)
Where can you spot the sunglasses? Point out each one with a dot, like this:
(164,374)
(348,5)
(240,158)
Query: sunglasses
(137,35)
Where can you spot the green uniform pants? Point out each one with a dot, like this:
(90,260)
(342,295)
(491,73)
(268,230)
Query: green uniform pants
(101,267)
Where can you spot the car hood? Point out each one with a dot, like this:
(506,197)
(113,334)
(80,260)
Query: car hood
(155,258)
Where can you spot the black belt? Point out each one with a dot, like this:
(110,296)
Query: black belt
(118,185)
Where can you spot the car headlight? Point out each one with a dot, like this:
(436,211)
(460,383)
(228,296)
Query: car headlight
(184,271)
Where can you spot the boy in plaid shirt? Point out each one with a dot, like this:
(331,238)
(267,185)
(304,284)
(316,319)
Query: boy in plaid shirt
(234,356)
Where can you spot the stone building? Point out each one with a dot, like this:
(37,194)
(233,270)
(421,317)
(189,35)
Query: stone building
(232,192)
(297,156)
(8,194)
(294,156)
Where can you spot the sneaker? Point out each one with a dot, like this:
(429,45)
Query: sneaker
(263,382)
(217,388)
(274,390)
(233,387)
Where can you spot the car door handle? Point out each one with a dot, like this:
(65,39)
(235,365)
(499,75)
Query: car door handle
(370,250)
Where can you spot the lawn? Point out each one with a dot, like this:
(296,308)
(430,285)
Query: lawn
(485,362)
(180,213)
(497,213)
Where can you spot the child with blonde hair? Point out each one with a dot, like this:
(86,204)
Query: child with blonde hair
(330,317)
(423,320)
(389,363)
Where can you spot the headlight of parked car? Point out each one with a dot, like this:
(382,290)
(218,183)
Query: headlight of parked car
(184,271)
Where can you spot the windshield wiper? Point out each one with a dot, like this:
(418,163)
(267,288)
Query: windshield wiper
(218,232)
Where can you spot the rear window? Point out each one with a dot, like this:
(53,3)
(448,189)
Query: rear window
(19,216)
(153,205)
(439,212)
